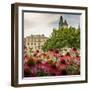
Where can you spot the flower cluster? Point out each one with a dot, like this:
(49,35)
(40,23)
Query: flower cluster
(54,62)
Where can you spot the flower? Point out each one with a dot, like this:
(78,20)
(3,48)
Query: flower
(54,62)
(26,58)
(26,70)
(62,66)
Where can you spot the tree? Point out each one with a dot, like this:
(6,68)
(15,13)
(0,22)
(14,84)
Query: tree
(63,37)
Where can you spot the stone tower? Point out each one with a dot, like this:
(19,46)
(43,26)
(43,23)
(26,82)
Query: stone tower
(63,23)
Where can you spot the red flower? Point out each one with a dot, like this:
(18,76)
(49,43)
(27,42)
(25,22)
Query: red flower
(65,57)
(78,58)
(34,62)
(26,70)
(62,66)
(63,61)
(74,50)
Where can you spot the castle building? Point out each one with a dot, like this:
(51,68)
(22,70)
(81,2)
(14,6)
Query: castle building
(63,23)
(35,42)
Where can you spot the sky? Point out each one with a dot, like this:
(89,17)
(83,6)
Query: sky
(43,23)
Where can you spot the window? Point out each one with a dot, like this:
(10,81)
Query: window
(31,43)
(39,44)
(38,47)
(34,43)
(34,39)
(28,43)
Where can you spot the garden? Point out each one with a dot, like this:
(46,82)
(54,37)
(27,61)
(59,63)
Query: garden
(60,55)
(52,63)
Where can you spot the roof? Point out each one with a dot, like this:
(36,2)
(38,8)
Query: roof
(37,36)
(65,23)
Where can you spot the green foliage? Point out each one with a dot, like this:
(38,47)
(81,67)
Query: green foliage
(41,73)
(63,37)
(73,69)
(31,62)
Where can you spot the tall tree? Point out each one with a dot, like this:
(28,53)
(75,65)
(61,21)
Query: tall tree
(63,37)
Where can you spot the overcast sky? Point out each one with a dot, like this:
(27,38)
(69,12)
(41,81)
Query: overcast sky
(43,23)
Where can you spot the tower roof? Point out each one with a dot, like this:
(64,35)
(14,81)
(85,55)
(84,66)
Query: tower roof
(65,23)
(61,21)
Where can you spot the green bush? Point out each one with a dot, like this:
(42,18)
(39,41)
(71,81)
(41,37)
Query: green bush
(63,37)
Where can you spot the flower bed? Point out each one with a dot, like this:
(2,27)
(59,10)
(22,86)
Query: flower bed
(51,63)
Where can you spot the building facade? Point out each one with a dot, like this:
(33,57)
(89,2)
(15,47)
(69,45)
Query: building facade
(35,42)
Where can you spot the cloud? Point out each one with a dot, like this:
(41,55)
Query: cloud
(36,23)
(43,23)
(73,20)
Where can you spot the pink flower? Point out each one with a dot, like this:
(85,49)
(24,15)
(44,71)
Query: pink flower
(62,66)
(78,58)
(73,50)
(57,55)
(33,70)
(51,62)
(26,58)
